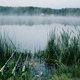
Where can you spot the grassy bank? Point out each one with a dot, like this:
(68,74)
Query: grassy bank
(61,56)
(63,52)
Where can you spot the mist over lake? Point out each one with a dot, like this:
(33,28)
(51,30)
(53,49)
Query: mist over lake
(32,32)
(39,20)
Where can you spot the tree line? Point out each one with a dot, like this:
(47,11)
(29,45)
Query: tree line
(38,11)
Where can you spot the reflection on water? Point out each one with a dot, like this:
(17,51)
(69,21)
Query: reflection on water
(39,20)
(36,35)
(32,37)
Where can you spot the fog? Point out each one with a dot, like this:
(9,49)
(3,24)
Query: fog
(32,32)
(39,20)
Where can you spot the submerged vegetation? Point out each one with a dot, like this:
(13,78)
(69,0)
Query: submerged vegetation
(61,56)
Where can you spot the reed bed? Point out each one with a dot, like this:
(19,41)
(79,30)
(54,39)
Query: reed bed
(63,53)
(7,49)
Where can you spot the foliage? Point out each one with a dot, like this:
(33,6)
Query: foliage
(36,10)
(63,53)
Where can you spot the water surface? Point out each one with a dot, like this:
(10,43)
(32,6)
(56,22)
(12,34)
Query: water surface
(32,32)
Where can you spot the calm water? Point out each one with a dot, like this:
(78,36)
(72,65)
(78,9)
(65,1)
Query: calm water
(30,32)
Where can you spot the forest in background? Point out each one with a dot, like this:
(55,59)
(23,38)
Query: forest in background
(38,11)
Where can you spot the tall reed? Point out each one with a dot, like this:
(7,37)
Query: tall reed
(5,50)
(63,51)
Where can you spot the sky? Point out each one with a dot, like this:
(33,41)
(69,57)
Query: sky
(55,4)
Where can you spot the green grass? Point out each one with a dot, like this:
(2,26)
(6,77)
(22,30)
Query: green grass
(61,51)
(64,52)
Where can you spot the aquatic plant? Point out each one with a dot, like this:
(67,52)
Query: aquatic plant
(63,52)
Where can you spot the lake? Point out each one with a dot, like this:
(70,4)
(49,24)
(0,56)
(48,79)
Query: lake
(32,32)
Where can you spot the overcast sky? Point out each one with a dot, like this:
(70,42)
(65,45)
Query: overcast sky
(42,3)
